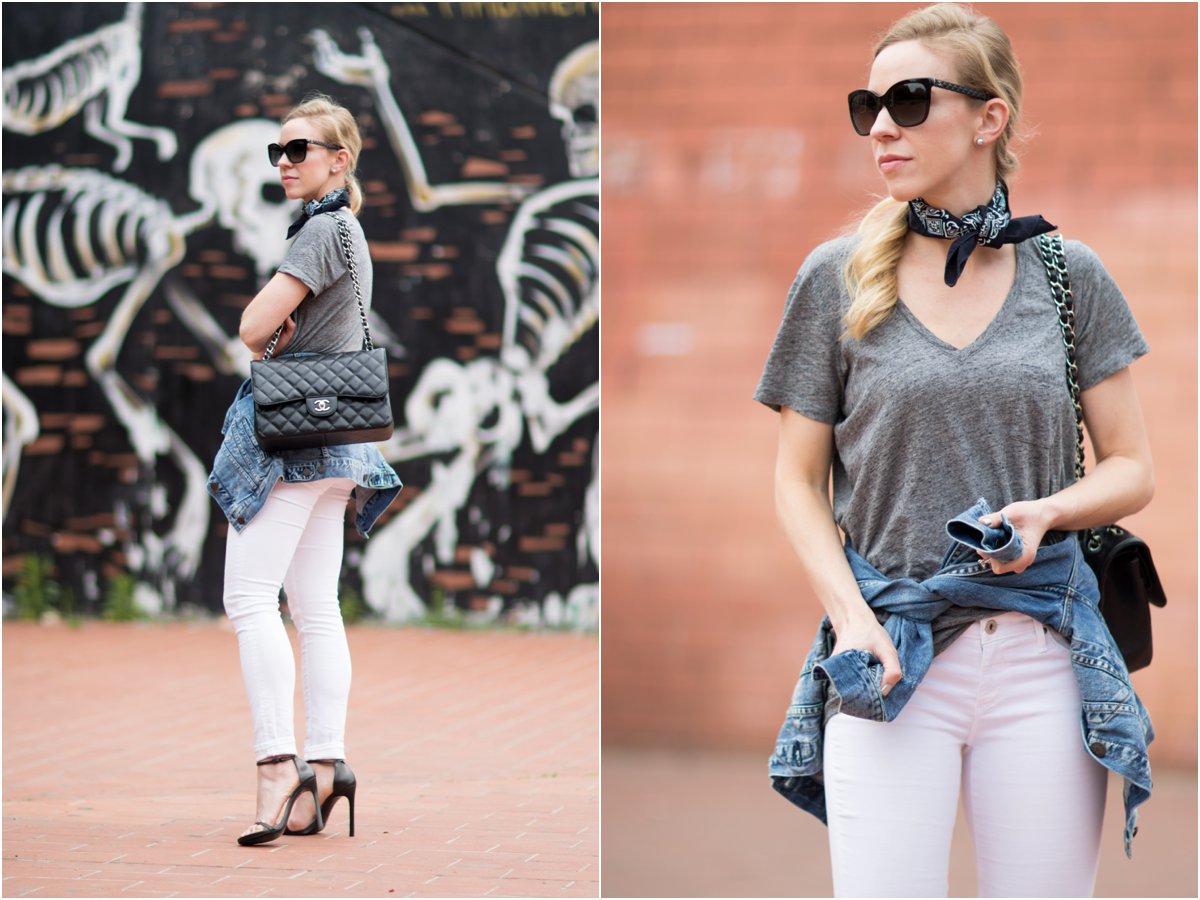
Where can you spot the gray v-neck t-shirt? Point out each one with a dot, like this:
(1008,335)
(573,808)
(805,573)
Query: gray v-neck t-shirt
(923,429)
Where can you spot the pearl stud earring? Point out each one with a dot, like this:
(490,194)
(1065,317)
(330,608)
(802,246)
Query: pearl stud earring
(978,142)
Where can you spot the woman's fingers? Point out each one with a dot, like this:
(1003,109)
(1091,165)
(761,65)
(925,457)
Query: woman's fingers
(887,655)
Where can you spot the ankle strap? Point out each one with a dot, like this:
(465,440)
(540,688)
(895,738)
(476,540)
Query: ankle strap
(329,762)
(286,757)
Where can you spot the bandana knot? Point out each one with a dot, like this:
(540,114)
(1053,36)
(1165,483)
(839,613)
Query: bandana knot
(335,199)
(989,225)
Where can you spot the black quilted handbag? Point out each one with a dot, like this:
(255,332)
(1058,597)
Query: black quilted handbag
(323,399)
(1121,560)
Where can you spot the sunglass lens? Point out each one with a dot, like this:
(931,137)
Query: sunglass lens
(274,152)
(297,150)
(864,107)
(909,103)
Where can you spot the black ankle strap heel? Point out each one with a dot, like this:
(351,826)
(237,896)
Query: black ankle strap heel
(344,785)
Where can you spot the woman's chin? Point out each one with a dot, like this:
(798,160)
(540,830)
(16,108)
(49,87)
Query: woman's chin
(901,190)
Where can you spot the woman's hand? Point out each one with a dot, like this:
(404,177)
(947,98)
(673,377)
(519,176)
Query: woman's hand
(1031,520)
(865,633)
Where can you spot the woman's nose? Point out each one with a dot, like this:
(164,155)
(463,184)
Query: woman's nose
(884,127)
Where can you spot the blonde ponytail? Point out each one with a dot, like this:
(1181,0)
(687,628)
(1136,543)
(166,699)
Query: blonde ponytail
(870,272)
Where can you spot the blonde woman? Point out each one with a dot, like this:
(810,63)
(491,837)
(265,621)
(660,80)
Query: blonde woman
(920,364)
(286,510)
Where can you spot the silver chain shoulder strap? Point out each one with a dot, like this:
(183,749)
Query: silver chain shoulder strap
(344,234)
(1060,288)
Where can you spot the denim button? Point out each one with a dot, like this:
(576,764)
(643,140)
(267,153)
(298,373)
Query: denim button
(990,626)
(241,520)
(1098,748)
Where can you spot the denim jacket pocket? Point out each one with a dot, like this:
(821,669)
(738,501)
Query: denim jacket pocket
(799,743)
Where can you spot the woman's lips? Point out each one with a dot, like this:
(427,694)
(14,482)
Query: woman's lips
(891,163)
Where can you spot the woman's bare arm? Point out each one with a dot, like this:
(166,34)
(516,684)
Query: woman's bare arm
(1120,483)
(802,504)
(268,310)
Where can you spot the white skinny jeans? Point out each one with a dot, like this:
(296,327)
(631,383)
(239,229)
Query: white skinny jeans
(997,716)
(295,540)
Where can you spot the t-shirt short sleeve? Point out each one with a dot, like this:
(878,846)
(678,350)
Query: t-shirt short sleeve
(802,369)
(1107,338)
(316,256)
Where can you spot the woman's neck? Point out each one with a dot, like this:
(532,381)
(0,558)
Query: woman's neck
(963,196)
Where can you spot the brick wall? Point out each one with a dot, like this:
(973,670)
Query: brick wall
(727,157)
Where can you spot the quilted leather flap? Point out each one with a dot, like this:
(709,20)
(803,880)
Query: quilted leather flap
(358,374)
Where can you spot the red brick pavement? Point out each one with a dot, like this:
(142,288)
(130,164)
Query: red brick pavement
(128,769)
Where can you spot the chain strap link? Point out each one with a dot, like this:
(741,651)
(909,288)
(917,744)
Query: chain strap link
(344,231)
(344,234)
(1051,247)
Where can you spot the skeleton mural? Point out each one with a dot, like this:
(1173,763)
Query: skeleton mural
(102,233)
(549,273)
(116,260)
(95,73)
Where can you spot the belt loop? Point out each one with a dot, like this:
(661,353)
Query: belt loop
(1041,636)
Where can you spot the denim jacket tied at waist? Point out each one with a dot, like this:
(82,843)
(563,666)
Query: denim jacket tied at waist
(243,473)
(1058,589)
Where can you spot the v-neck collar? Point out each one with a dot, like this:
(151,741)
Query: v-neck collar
(980,339)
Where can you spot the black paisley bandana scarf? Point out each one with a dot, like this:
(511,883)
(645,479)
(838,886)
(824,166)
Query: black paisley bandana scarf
(335,199)
(990,225)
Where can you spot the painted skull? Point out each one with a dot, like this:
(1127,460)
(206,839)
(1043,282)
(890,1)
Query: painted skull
(231,176)
(575,101)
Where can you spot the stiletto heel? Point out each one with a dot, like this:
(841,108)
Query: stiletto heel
(308,783)
(344,785)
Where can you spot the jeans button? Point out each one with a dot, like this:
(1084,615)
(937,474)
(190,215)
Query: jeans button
(1098,748)
(990,626)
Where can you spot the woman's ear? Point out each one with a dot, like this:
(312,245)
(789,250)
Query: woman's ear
(993,120)
(341,161)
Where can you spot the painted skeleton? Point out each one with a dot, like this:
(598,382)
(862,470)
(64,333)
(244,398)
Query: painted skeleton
(548,271)
(95,73)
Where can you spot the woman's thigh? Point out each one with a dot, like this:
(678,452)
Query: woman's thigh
(892,788)
(1033,797)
